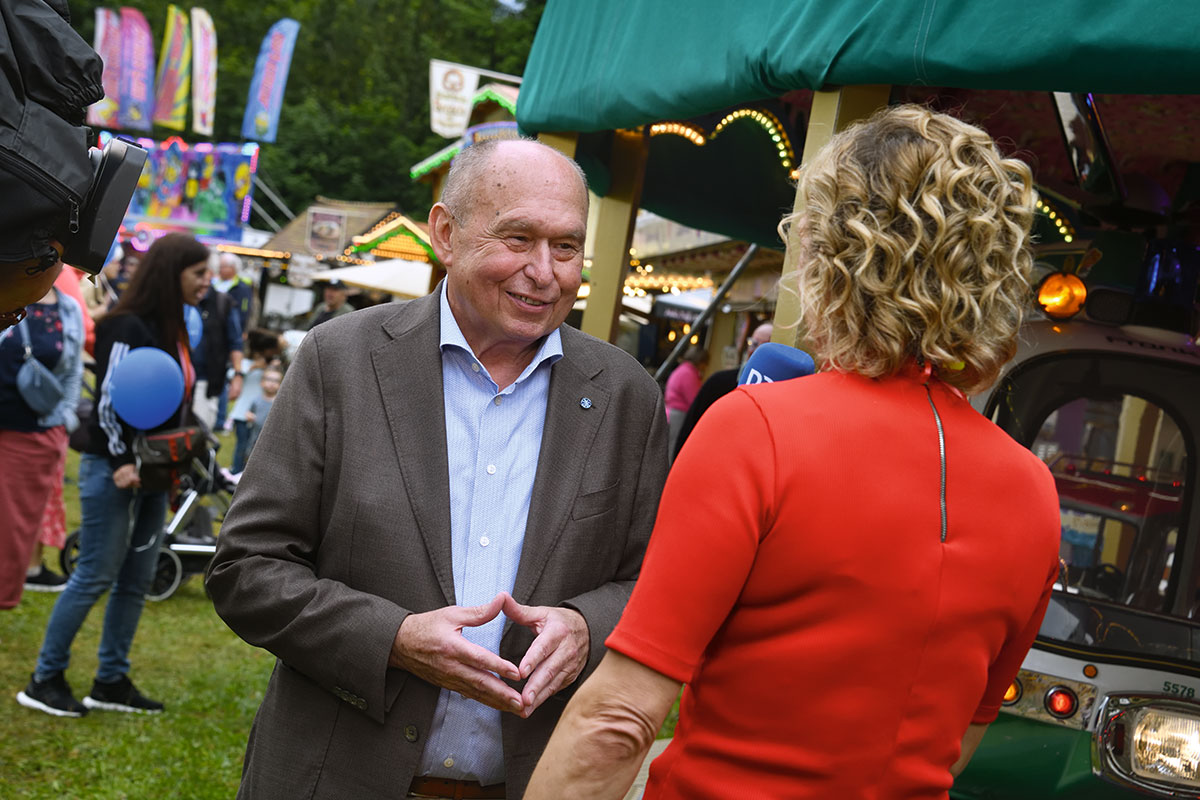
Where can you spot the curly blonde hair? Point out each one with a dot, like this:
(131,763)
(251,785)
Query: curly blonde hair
(914,243)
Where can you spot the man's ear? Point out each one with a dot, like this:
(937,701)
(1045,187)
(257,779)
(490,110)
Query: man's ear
(440,225)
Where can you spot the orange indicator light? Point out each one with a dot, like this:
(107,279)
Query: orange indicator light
(1091,671)
(1013,694)
(1061,295)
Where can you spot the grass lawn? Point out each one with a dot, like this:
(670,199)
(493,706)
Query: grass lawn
(183,654)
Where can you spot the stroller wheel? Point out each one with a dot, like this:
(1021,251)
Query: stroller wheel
(68,557)
(167,576)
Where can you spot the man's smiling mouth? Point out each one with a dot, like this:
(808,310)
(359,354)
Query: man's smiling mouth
(528,300)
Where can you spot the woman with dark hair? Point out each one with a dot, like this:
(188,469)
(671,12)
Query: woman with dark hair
(850,598)
(121,523)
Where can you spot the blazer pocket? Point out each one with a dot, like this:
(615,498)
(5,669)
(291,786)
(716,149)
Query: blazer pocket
(595,503)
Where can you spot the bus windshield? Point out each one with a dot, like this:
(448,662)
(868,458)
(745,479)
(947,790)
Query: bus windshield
(1119,465)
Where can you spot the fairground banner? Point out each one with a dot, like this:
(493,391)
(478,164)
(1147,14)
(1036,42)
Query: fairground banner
(203,189)
(174,78)
(136,96)
(451,90)
(204,72)
(108,44)
(270,79)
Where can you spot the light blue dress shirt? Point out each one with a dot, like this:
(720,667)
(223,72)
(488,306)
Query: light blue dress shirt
(493,439)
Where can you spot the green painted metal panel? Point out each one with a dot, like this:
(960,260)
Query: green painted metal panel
(1021,759)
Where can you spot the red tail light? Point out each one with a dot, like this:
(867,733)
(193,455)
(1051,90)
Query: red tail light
(1061,702)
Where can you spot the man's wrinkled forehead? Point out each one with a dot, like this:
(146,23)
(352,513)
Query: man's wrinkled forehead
(528,164)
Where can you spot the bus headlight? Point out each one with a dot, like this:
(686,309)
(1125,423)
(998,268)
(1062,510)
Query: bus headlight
(1148,742)
(1166,745)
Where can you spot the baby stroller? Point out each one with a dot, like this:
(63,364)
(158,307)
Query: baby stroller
(198,507)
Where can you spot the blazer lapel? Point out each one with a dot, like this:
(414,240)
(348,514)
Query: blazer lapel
(571,426)
(409,371)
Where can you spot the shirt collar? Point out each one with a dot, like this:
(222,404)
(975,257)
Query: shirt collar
(452,336)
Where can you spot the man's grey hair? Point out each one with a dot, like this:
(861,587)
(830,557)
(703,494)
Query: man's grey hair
(230,258)
(466,173)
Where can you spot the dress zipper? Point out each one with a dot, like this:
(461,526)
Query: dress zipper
(941,455)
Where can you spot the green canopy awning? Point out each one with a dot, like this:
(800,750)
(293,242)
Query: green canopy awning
(600,65)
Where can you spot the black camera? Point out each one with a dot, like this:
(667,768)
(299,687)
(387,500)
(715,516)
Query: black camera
(92,226)
(53,189)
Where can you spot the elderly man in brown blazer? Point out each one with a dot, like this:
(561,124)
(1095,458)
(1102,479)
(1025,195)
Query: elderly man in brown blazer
(446,511)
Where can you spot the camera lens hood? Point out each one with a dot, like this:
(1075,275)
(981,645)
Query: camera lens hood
(93,228)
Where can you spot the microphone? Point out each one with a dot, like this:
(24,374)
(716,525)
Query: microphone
(772,361)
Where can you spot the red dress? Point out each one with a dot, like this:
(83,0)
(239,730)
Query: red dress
(833,646)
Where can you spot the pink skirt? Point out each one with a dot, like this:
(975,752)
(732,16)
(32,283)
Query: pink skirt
(32,468)
(54,521)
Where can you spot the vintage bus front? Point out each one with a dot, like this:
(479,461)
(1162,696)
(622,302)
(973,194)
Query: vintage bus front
(1107,703)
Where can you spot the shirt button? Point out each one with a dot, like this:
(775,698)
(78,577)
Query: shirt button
(497,399)
(449,762)
(484,541)
(474,367)
(491,469)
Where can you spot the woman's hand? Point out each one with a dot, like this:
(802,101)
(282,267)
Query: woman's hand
(126,477)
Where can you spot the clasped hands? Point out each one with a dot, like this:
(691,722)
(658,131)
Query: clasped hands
(432,647)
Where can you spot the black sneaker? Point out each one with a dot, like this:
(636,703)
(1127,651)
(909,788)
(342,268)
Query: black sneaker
(53,696)
(45,581)
(120,695)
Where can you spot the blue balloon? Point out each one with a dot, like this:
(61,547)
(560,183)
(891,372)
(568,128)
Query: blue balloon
(146,387)
(195,325)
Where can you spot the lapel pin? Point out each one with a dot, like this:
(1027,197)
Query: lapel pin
(585,402)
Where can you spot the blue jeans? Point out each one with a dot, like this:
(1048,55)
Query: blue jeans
(241,446)
(222,408)
(118,549)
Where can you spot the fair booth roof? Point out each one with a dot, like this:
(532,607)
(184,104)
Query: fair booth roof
(396,276)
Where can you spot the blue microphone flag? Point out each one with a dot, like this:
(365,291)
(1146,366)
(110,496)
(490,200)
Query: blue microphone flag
(773,362)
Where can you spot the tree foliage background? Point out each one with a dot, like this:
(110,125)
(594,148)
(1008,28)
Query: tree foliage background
(356,109)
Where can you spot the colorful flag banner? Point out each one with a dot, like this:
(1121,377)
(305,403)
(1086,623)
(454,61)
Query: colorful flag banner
(270,79)
(174,78)
(136,95)
(108,44)
(204,72)
(451,90)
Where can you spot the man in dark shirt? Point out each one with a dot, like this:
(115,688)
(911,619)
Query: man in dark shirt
(335,304)
(221,343)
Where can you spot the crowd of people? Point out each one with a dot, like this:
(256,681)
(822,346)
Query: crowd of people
(463,535)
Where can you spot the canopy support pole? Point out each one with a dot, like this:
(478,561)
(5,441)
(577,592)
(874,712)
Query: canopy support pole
(564,143)
(724,331)
(616,214)
(707,313)
(832,111)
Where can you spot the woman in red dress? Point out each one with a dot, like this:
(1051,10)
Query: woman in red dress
(849,596)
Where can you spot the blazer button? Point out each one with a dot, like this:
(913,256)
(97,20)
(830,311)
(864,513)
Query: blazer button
(410,733)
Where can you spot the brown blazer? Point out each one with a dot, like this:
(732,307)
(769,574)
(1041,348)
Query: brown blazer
(340,528)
